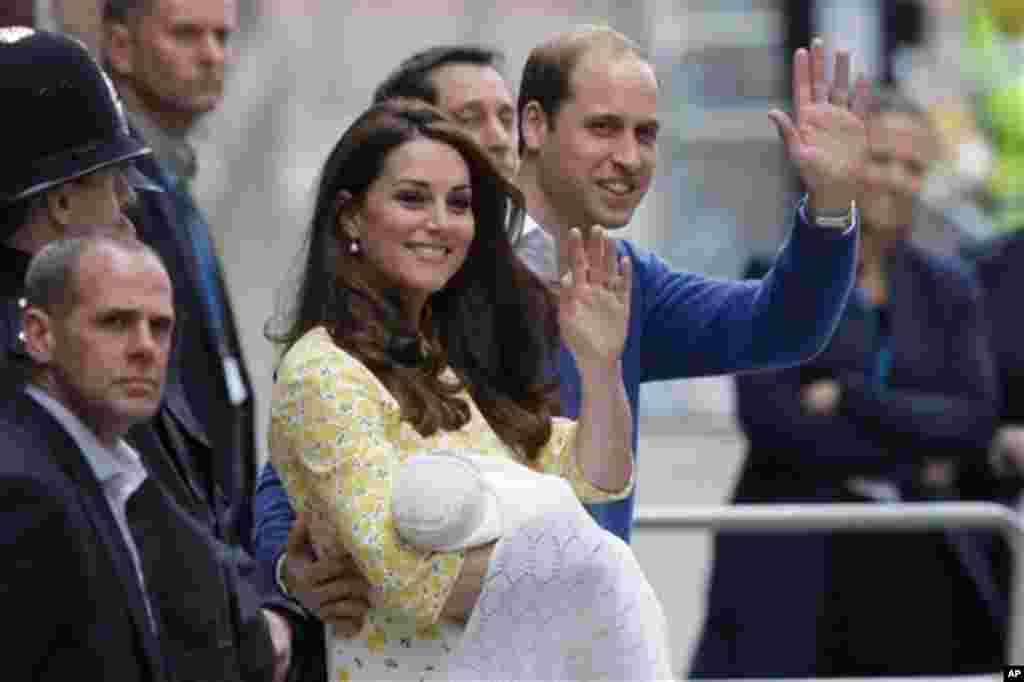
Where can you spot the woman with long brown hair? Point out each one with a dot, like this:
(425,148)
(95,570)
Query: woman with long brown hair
(417,330)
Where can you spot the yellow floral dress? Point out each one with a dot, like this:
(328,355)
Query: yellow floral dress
(336,437)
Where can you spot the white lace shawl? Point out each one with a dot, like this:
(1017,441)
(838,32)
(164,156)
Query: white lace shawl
(563,598)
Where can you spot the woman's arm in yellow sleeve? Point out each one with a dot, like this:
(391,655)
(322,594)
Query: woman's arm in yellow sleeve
(334,437)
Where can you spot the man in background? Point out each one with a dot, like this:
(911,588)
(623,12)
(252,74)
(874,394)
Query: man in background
(168,60)
(467,82)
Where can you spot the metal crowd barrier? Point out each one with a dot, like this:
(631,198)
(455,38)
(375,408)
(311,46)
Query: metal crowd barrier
(870,517)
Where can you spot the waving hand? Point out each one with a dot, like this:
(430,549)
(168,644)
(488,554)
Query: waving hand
(828,140)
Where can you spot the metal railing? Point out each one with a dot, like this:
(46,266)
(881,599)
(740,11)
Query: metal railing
(862,517)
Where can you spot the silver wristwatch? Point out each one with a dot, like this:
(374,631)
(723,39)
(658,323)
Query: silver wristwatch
(836,220)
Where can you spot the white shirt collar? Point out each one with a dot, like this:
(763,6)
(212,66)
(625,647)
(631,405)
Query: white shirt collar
(106,463)
(538,250)
(174,153)
(529,225)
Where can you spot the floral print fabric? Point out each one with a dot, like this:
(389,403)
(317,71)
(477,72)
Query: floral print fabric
(336,437)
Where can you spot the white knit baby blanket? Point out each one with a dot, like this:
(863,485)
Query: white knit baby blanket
(563,600)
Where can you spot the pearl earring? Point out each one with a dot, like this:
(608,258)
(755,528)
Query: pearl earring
(353,247)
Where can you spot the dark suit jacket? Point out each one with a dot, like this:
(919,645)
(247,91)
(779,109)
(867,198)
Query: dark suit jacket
(939,402)
(229,468)
(199,357)
(67,577)
(210,593)
(1000,268)
(999,264)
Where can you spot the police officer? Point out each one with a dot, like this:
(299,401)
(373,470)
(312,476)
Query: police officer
(69,171)
(76,177)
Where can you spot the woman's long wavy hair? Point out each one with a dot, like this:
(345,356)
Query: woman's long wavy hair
(494,323)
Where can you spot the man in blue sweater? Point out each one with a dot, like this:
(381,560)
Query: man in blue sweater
(588,122)
(588,116)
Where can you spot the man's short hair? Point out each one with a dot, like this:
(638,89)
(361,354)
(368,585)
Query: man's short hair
(412,79)
(122,11)
(50,280)
(549,68)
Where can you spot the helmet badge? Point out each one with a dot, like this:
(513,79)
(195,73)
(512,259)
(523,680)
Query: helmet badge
(12,34)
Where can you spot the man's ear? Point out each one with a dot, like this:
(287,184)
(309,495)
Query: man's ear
(118,49)
(535,126)
(38,329)
(59,205)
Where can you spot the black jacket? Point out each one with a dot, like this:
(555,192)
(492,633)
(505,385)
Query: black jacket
(200,356)
(1000,268)
(67,576)
(939,402)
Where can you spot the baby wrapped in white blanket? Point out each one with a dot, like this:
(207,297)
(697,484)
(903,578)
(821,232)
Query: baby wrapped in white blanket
(563,598)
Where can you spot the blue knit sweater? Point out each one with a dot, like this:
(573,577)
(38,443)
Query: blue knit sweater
(686,325)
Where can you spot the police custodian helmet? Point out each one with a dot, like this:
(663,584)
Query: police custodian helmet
(63,118)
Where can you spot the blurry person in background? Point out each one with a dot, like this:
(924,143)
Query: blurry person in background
(995,85)
(995,36)
(168,59)
(903,395)
(467,82)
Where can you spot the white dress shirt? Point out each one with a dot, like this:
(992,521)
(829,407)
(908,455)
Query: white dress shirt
(538,250)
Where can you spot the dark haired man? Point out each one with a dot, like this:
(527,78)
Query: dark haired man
(169,60)
(465,81)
